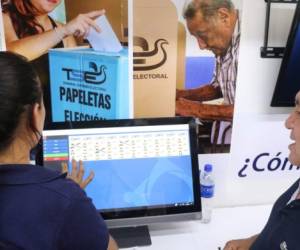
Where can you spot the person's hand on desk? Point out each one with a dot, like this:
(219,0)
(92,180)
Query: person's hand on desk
(240,244)
(76,174)
(185,107)
(181,93)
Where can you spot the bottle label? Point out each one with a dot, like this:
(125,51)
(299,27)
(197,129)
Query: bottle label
(207,191)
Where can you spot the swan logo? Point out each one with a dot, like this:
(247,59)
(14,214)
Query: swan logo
(96,75)
(140,58)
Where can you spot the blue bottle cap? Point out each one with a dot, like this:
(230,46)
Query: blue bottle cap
(208,167)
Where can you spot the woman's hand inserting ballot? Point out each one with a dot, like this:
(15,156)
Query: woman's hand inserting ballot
(81,25)
(77,172)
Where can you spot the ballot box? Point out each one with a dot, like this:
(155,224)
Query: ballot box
(88,85)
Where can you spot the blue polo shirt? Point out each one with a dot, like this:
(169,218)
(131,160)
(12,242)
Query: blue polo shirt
(282,231)
(41,210)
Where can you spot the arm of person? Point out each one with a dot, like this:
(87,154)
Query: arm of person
(186,107)
(69,41)
(203,93)
(112,244)
(34,46)
(240,244)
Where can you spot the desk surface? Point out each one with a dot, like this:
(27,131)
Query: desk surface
(226,224)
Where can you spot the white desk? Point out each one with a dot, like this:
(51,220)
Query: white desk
(226,224)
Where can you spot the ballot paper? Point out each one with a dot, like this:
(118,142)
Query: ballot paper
(106,40)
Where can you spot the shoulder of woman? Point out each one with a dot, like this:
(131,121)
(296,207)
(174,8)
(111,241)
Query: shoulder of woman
(69,189)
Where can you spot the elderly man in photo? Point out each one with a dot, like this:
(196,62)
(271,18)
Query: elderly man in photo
(215,25)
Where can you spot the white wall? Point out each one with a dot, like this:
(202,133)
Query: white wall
(257,76)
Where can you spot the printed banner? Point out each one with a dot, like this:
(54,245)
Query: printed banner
(154,57)
(208,81)
(77,91)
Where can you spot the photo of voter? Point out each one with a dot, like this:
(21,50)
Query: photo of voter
(93,83)
(40,208)
(216,27)
(72,56)
(280,232)
(31,32)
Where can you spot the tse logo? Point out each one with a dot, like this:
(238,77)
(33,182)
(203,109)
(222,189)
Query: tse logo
(95,76)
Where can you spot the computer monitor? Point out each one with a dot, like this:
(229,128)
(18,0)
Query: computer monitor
(146,170)
(288,81)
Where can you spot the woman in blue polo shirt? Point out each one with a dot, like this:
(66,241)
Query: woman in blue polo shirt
(39,208)
(282,229)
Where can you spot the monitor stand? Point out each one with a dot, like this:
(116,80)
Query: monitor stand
(131,236)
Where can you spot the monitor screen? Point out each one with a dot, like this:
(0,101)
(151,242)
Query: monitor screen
(288,82)
(143,167)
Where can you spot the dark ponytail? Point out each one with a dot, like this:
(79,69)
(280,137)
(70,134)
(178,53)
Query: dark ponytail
(19,90)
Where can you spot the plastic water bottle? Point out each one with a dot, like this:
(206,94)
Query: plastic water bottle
(207,192)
